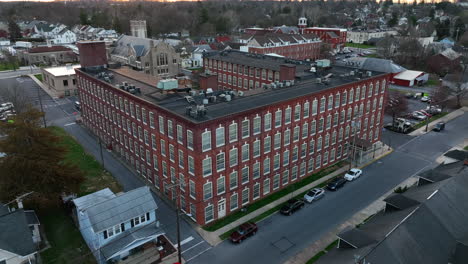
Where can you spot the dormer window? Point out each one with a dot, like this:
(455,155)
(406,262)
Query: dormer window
(113,231)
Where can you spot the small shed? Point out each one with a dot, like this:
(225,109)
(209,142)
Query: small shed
(410,78)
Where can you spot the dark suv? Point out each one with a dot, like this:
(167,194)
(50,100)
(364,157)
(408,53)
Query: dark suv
(291,206)
(244,231)
(336,183)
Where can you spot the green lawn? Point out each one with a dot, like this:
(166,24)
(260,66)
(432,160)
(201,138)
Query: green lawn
(38,76)
(357,45)
(96,177)
(466,148)
(4,66)
(66,242)
(432,82)
(64,237)
(273,197)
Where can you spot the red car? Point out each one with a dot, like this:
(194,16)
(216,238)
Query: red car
(244,231)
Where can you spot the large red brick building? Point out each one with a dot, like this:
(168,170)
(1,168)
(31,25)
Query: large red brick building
(336,37)
(229,149)
(293,46)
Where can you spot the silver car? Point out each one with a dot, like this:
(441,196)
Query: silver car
(314,194)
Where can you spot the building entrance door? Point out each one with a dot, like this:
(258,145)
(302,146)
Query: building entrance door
(221,208)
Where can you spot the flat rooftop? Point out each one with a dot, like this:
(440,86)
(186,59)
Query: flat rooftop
(306,83)
(62,70)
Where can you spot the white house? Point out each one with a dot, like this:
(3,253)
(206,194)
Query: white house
(119,227)
(365,35)
(65,36)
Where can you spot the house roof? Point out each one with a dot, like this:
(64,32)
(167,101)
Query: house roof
(356,238)
(400,201)
(121,208)
(273,38)
(408,75)
(450,54)
(48,49)
(140,45)
(62,70)
(31,217)
(460,254)
(16,236)
(457,154)
(45,27)
(3,209)
(128,237)
(84,202)
(375,64)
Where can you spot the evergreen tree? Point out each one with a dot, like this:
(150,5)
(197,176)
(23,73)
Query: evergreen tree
(14,29)
(34,161)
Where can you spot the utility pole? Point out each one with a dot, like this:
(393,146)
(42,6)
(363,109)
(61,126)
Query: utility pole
(177,211)
(456,38)
(100,150)
(427,118)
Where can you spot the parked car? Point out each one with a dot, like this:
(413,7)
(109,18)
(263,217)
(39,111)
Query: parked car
(409,95)
(439,127)
(7,104)
(314,194)
(425,99)
(336,183)
(291,206)
(418,116)
(424,112)
(244,231)
(434,109)
(78,105)
(353,174)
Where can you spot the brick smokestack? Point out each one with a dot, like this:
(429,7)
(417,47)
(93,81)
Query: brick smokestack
(92,53)
(287,72)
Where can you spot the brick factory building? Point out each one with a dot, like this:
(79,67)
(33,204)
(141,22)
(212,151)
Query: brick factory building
(229,149)
(293,46)
(336,37)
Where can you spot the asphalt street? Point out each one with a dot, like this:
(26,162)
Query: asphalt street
(21,71)
(279,237)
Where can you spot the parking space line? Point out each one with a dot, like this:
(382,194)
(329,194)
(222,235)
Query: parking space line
(192,247)
(198,254)
(185,241)
(69,124)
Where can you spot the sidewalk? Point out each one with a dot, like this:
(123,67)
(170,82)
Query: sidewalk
(448,117)
(306,254)
(43,87)
(213,237)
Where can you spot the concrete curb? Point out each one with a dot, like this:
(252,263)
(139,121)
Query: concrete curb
(446,118)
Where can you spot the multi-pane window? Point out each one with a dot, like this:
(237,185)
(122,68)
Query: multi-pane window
(330,102)
(207,191)
(220,161)
(319,143)
(322,104)
(219,136)
(296,133)
(256,191)
(256,170)
(297,112)
(190,139)
(351,96)
(266,165)
(344,98)
(267,144)
(320,124)
(337,100)
(209,213)
(287,115)
(363,92)
(181,158)
(313,127)
(277,141)
(327,140)
(318,161)
(286,138)
(151,119)
(245,152)
(233,132)
(357,96)
(329,121)
(278,118)
(276,181)
(233,180)
(233,160)
(207,167)
(276,161)
(245,195)
(220,185)
(295,153)
(285,178)
(245,175)
(266,186)
(180,136)
(267,122)
(245,128)
(206,140)
(305,130)
(335,119)
(285,157)
(306,110)
(234,201)
(314,107)
(257,125)
(191,165)
(170,129)
(256,148)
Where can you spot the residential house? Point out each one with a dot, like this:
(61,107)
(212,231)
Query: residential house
(365,35)
(445,62)
(19,236)
(425,224)
(453,79)
(119,228)
(154,57)
(47,55)
(197,55)
(64,36)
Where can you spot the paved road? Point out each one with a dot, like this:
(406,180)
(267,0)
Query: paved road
(280,237)
(61,112)
(19,72)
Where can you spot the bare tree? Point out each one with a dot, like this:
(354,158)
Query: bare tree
(386,47)
(396,105)
(16,94)
(440,96)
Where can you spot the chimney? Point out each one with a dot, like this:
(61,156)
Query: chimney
(92,53)
(287,72)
